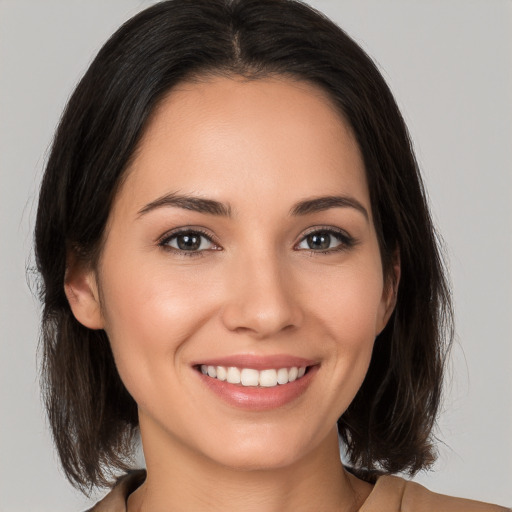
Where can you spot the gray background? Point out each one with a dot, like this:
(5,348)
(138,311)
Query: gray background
(449,63)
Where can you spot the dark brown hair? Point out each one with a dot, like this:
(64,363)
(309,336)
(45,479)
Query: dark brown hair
(389,424)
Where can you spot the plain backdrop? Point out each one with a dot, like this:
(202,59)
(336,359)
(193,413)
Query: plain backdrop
(449,63)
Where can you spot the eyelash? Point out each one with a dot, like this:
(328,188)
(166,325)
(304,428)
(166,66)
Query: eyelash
(346,241)
(164,241)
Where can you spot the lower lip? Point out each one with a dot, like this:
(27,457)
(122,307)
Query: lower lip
(259,398)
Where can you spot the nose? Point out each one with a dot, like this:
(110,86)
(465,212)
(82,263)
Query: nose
(261,298)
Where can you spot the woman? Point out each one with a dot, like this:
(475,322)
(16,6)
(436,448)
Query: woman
(238,260)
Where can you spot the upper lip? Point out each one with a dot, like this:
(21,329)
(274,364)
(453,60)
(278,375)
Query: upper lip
(257,362)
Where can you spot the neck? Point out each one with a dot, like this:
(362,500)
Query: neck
(181,480)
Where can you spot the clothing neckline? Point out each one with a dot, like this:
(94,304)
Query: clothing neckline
(117,499)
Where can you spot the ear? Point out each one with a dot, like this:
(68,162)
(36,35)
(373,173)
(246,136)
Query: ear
(389,295)
(81,289)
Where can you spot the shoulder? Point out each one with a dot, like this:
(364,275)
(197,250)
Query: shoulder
(115,500)
(394,494)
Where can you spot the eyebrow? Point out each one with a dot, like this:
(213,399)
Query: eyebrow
(320,204)
(212,207)
(196,204)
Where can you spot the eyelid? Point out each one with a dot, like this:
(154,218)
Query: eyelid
(164,239)
(325,228)
(346,240)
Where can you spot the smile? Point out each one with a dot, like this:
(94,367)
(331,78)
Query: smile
(257,383)
(250,377)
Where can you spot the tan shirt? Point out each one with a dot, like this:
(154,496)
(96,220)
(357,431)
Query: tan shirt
(390,494)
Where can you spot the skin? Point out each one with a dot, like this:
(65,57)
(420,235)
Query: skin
(258,147)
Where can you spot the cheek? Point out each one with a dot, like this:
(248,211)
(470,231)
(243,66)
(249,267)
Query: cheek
(349,303)
(348,309)
(149,315)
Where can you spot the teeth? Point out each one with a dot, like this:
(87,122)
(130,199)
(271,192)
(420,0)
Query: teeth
(233,375)
(282,375)
(268,378)
(221,373)
(249,377)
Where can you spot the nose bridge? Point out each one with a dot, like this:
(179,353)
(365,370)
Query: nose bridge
(260,300)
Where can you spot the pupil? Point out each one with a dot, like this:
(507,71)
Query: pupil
(189,242)
(319,241)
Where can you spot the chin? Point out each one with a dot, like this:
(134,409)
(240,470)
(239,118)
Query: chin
(259,452)
(258,461)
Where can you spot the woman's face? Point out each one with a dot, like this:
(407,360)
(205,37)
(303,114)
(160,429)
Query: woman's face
(242,244)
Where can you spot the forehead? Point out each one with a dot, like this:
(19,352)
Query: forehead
(222,136)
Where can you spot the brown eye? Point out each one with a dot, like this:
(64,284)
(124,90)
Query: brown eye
(319,241)
(325,240)
(188,241)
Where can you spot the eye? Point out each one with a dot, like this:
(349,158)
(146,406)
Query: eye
(325,240)
(188,242)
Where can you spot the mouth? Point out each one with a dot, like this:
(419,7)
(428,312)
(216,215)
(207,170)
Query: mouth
(257,383)
(250,377)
